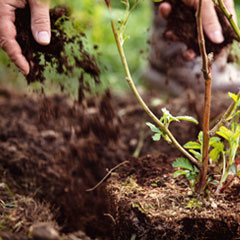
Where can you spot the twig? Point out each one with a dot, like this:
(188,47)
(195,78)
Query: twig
(111,217)
(206,70)
(106,176)
(139,98)
(227,184)
(229,16)
(140,141)
(229,111)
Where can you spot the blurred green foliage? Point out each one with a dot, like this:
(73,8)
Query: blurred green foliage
(92,18)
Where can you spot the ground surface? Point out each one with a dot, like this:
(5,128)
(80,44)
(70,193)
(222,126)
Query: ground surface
(52,150)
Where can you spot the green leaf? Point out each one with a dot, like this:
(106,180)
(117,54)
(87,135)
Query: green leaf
(153,127)
(218,147)
(233,169)
(157,0)
(200,137)
(187,118)
(179,173)
(233,96)
(214,140)
(183,163)
(225,133)
(192,145)
(168,117)
(196,154)
(214,154)
(156,136)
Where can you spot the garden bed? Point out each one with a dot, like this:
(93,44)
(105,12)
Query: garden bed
(52,150)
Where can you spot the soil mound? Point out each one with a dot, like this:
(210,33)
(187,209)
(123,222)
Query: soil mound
(182,22)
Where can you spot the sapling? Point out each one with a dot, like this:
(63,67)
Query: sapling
(219,145)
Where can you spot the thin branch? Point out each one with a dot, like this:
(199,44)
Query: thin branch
(141,101)
(106,176)
(224,118)
(229,16)
(206,70)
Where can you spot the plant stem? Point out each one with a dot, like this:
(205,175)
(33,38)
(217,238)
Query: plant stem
(139,98)
(223,174)
(229,111)
(206,69)
(229,16)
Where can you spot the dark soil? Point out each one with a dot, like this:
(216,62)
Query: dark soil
(182,22)
(148,203)
(58,154)
(55,55)
(52,150)
(52,157)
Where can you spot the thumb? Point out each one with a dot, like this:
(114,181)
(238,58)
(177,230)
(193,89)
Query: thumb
(40,21)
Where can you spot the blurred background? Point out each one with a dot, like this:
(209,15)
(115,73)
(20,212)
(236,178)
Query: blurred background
(91,17)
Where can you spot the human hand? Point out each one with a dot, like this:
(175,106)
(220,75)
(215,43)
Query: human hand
(40,25)
(210,21)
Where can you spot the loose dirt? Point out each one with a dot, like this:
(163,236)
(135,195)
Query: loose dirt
(65,52)
(53,158)
(182,22)
(53,149)
(148,203)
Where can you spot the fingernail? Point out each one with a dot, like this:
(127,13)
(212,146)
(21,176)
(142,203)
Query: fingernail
(217,37)
(43,37)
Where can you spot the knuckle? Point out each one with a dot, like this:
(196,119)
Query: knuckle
(212,24)
(3,43)
(42,20)
(9,47)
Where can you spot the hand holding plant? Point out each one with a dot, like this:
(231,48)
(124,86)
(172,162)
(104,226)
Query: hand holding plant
(220,145)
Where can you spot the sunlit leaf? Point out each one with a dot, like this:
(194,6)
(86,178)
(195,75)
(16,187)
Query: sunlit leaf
(233,169)
(196,154)
(168,116)
(200,137)
(192,145)
(156,137)
(214,154)
(233,96)
(183,163)
(187,118)
(213,140)
(153,127)
(179,173)
(225,133)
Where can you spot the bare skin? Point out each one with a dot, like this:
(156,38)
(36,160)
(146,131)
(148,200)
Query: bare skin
(40,25)
(211,24)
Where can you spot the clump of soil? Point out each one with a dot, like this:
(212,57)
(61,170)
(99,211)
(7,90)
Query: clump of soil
(56,155)
(56,55)
(18,213)
(148,203)
(182,22)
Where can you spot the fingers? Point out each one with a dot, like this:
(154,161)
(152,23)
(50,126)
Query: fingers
(165,9)
(8,36)
(210,21)
(229,4)
(40,21)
